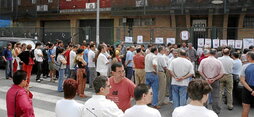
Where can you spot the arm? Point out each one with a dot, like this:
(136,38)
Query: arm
(25,103)
(245,84)
(3,55)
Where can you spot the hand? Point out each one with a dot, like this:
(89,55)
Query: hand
(179,79)
(210,81)
(252,93)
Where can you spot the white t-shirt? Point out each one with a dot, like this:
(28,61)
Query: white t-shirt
(102,66)
(193,111)
(181,67)
(150,60)
(141,111)
(91,56)
(60,58)
(37,57)
(72,59)
(68,108)
(99,106)
(227,63)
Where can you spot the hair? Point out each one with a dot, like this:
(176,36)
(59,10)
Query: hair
(251,55)
(153,49)
(169,44)
(160,48)
(50,45)
(142,45)
(245,51)
(23,44)
(19,76)
(70,87)
(140,90)
(183,52)
(59,42)
(92,45)
(29,47)
(100,47)
(79,51)
(235,54)
(226,51)
(213,51)
(37,44)
(251,47)
(99,82)
(138,50)
(149,45)
(115,65)
(197,88)
(61,50)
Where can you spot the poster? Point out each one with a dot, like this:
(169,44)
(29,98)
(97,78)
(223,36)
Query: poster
(159,40)
(223,43)
(185,35)
(231,43)
(140,39)
(128,39)
(247,42)
(171,40)
(201,42)
(208,42)
(238,44)
(216,43)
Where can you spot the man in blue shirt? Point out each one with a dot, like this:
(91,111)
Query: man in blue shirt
(129,62)
(85,56)
(7,57)
(247,79)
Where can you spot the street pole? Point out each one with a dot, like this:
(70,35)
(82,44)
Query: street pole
(98,23)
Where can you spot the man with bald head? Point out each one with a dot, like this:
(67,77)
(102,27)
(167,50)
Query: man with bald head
(226,82)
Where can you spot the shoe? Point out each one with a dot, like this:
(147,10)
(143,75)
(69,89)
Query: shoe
(230,108)
(38,80)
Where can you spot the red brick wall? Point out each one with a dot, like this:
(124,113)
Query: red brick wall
(81,4)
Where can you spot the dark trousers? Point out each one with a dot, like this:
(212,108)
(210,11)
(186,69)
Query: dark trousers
(39,70)
(129,72)
(45,68)
(8,69)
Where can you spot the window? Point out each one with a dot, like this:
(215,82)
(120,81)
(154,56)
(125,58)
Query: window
(50,1)
(33,1)
(138,22)
(19,2)
(248,22)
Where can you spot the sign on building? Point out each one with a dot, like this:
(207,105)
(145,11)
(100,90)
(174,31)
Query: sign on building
(199,25)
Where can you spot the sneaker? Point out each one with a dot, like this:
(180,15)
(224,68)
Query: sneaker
(38,80)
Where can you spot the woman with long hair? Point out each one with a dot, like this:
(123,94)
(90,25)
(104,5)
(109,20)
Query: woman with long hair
(16,51)
(81,73)
(61,60)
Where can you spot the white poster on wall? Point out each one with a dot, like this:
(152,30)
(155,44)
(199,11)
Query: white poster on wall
(238,44)
(247,42)
(231,43)
(140,39)
(216,43)
(159,40)
(208,43)
(128,39)
(223,43)
(201,42)
(171,40)
(185,35)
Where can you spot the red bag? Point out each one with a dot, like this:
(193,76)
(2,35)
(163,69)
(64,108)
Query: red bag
(31,61)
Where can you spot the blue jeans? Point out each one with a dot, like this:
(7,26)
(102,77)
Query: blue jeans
(68,71)
(129,72)
(8,70)
(153,81)
(179,95)
(60,80)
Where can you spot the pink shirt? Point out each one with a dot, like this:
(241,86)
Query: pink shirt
(24,106)
(211,67)
(121,93)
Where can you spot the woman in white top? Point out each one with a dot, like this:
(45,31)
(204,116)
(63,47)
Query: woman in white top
(68,107)
(198,92)
(62,62)
(102,61)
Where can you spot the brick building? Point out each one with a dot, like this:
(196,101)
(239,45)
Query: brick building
(76,19)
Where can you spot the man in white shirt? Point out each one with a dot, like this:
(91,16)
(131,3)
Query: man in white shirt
(98,105)
(226,82)
(181,70)
(143,96)
(151,74)
(39,59)
(72,61)
(198,91)
(102,61)
(91,65)
(162,65)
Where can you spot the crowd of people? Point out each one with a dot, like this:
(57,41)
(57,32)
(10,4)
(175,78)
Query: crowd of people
(119,73)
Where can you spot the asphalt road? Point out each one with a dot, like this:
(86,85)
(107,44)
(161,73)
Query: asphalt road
(45,97)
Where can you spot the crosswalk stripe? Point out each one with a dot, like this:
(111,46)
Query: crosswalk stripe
(37,111)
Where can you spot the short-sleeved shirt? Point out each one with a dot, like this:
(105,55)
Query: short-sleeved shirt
(36,54)
(247,72)
(150,60)
(237,66)
(72,59)
(60,57)
(102,66)
(141,111)
(211,67)
(91,56)
(139,61)
(181,67)
(129,57)
(50,52)
(67,55)
(161,62)
(227,63)
(86,55)
(7,54)
(121,93)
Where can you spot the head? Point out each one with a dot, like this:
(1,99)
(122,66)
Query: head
(251,48)
(250,56)
(206,52)
(19,78)
(161,50)
(175,53)
(38,45)
(50,45)
(80,52)
(184,44)
(18,45)
(132,48)
(138,50)
(102,48)
(226,52)
(118,70)
(190,45)
(29,47)
(182,53)
(245,51)
(70,87)
(92,47)
(101,85)
(75,47)
(154,50)
(143,94)
(23,46)
(9,46)
(60,43)
(61,50)
(212,52)
(235,55)
(198,90)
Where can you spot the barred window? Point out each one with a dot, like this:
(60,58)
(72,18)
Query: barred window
(248,22)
